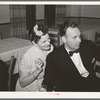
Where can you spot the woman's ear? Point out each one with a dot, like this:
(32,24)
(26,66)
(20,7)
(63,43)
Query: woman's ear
(64,39)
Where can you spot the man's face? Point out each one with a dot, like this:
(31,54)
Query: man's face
(72,38)
(44,43)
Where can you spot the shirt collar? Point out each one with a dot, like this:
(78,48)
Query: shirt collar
(67,49)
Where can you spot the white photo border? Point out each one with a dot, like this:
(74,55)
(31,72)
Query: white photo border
(49,95)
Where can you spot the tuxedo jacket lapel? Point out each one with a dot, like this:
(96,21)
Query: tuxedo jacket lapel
(86,58)
(69,65)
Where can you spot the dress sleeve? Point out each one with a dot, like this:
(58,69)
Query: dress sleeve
(27,64)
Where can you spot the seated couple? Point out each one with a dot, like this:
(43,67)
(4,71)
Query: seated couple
(69,67)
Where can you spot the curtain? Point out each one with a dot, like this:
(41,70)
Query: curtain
(18,21)
(60,14)
(30,16)
(50,15)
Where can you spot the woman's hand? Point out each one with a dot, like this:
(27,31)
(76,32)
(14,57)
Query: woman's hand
(39,64)
(43,88)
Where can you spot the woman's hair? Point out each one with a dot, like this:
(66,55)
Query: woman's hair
(37,31)
(64,26)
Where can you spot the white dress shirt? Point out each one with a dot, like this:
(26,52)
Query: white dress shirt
(78,63)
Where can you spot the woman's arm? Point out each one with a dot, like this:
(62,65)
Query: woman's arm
(27,77)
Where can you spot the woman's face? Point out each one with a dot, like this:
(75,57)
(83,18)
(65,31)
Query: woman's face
(44,43)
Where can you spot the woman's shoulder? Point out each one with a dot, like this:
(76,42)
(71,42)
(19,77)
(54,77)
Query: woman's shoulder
(31,51)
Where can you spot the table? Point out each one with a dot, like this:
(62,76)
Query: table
(13,47)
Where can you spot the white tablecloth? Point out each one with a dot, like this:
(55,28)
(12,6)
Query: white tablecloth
(13,47)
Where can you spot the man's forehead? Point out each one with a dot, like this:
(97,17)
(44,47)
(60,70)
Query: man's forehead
(73,31)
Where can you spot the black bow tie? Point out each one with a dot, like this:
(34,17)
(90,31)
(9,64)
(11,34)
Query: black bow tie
(71,52)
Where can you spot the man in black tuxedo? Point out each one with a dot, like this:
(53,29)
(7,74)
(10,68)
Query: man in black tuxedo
(68,71)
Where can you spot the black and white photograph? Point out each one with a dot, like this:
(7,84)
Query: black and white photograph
(50,48)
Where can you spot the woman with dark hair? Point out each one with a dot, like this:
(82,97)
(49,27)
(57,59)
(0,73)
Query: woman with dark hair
(31,69)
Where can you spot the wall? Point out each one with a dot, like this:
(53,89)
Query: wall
(4,20)
(75,10)
(39,12)
(68,10)
(90,14)
(4,14)
(83,11)
(90,11)
(83,14)
(5,30)
(60,13)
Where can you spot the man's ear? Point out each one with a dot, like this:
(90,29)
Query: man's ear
(64,39)
(33,42)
